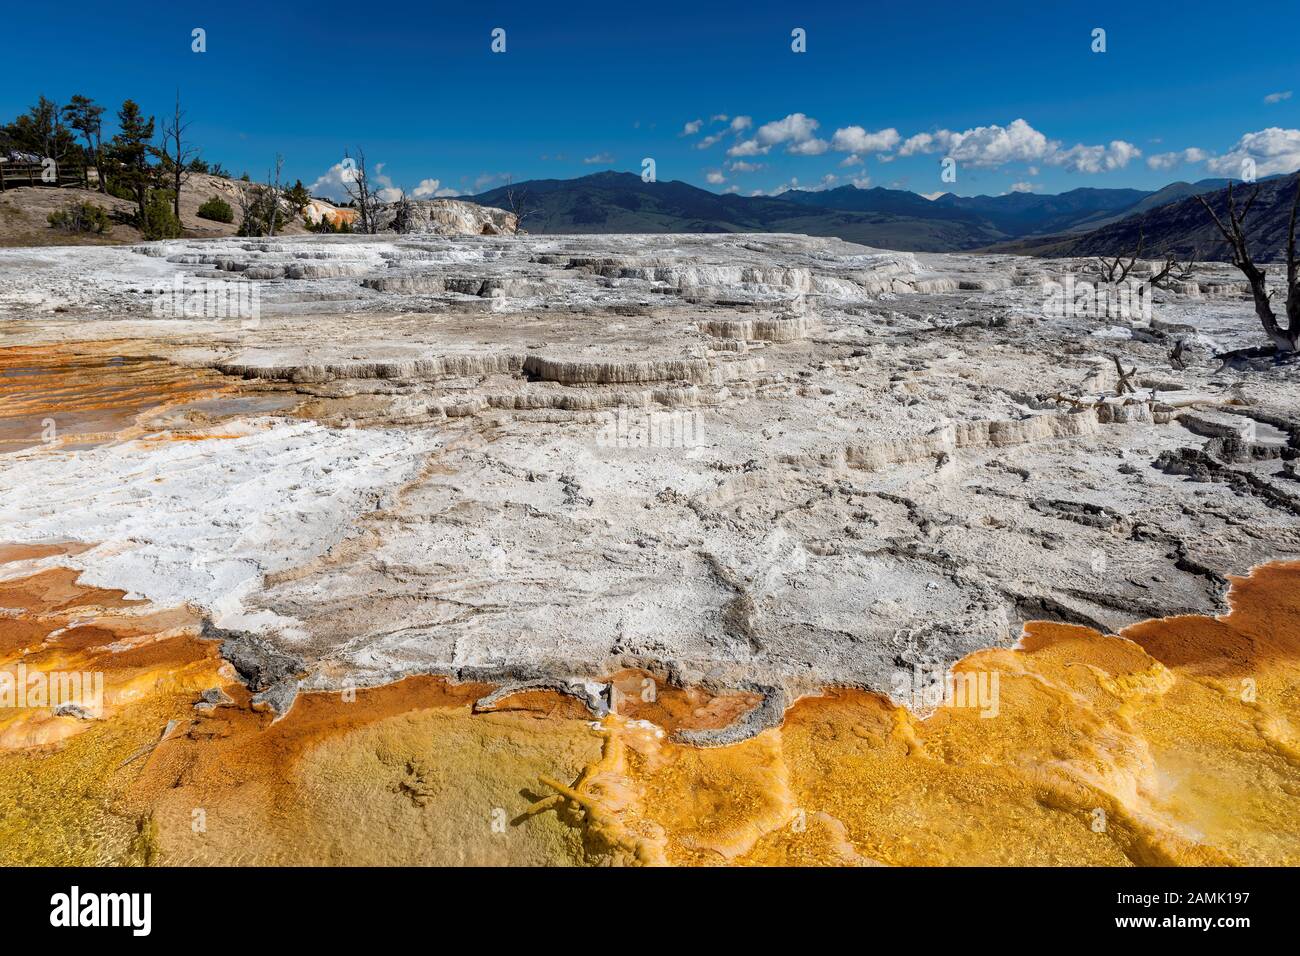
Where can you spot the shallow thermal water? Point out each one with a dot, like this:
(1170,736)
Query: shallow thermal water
(1173,743)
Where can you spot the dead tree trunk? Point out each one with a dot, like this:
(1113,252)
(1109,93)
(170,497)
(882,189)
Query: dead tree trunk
(177,153)
(356,183)
(273,195)
(1234,234)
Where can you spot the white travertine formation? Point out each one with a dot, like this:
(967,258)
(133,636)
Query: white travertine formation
(744,459)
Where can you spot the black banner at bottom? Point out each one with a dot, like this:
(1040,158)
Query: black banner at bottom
(341,906)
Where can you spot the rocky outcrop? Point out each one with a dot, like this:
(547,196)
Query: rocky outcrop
(445,217)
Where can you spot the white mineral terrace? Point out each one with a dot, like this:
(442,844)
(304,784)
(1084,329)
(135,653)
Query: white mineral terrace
(739,459)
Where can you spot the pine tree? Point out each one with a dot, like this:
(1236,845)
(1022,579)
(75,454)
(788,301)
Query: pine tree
(131,149)
(86,117)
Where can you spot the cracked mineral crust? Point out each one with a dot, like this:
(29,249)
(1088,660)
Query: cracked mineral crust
(760,462)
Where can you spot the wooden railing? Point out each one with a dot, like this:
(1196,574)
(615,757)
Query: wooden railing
(34,174)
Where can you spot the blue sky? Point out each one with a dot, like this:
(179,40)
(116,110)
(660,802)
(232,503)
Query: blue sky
(589,86)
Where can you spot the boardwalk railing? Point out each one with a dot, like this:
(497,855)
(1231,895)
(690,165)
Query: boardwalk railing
(36,174)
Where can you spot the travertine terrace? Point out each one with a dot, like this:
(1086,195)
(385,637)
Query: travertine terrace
(757,463)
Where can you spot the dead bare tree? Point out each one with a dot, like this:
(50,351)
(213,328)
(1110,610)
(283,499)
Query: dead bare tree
(403,214)
(272,195)
(1235,235)
(1115,271)
(518,204)
(1125,380)
(176,153)
(1174,271)
(356,183)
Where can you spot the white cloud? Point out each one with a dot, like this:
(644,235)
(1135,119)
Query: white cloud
(1094,159)
(795,129)
(431,187)
(740,166)
(994,145)
(933,196)
(691,128)
(851,160)
(1023,187)
(735,124)
(599,158)
(862,182)
(332,183)
(1274,150)
(715,177)
(1170,160)
(732,189)
(984,145)
(1278,97)
(855,139)
(748,147)
(809,147)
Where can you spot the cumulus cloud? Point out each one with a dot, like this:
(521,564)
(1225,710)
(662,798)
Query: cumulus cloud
(332,184)
(994,145)
(862,182)
(794,130)
(748,147)
(1023,187)
(1095,159)
(740,166)
(851,160)
(1192,154)
(984,145)
(1278,97)
(809,147)
(431,188)
(735,124)
(715,177)
(1274,150)
(855,139)
(691,128)
(597,159)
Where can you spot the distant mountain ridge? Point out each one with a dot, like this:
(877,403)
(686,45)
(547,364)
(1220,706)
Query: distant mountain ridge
(1183,227)
(610,202)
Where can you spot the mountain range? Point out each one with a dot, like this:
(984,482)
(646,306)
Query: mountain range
(612,202)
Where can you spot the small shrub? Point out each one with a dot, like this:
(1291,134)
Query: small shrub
(160,221)
(217,209)
(82,217)
(119,191)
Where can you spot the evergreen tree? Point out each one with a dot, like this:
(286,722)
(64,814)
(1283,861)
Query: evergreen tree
(131,151)
(86,117)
